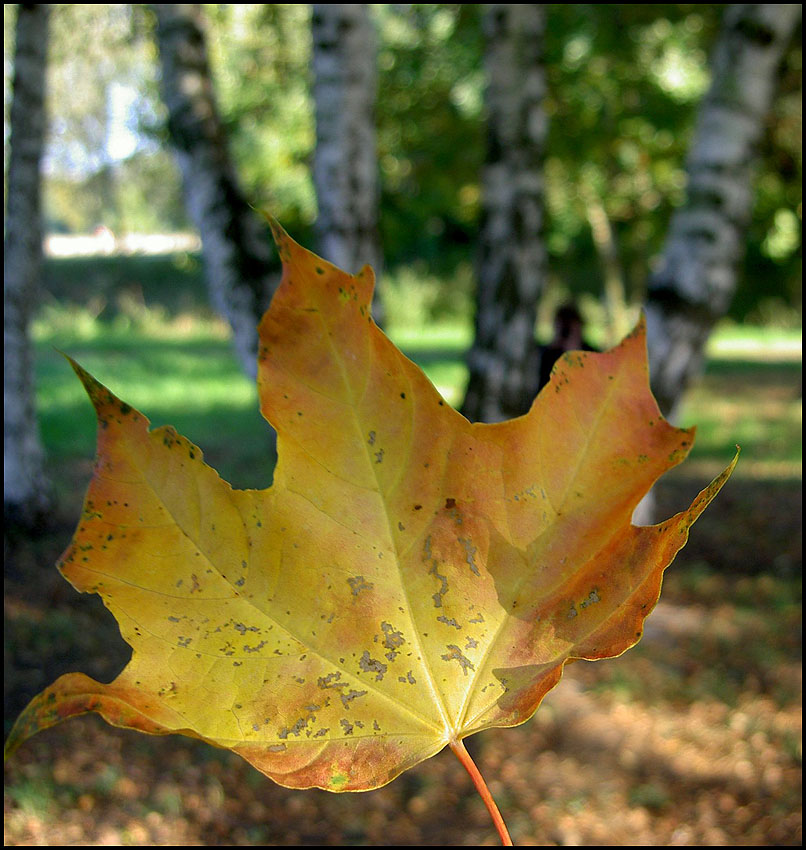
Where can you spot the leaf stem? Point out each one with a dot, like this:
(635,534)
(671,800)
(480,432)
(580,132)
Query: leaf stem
(463,755)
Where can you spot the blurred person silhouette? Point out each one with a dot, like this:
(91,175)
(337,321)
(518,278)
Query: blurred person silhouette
(568,336)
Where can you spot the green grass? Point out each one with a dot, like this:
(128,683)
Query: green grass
(181,371)
(196,386)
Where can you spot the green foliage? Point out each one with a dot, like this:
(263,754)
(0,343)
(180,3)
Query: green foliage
(775,246)
(430,131)
(415,297)
(625,82)
(260,56)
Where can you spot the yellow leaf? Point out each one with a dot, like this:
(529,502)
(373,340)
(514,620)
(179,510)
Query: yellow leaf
(409,578)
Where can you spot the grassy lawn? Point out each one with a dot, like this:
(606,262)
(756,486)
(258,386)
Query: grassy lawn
(181,371)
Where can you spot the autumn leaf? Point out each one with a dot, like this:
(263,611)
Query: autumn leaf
(408,579)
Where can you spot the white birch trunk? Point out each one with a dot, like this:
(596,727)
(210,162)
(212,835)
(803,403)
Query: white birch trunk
(345,166)
(503,362)
(25,485)
(235,240)
(695,282)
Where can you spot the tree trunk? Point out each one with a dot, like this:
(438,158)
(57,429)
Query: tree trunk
(25,486)
(345,165)
(696,279)
(695,282)
(503,362)
(235,241)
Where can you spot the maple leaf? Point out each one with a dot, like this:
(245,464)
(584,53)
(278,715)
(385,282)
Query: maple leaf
(408,579)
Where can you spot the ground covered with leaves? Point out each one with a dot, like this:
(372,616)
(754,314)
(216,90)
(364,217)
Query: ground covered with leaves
(693,737)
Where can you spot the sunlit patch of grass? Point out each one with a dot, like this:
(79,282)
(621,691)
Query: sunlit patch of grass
(457,335)
(189,383)
(449,378)
(438,349)
(737,342)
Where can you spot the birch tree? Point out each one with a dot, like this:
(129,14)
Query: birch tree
(235,243)
(25,484)
(503,360)
(345,166)
(696,279)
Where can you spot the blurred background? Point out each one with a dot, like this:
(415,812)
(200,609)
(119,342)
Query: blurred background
(492,164)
